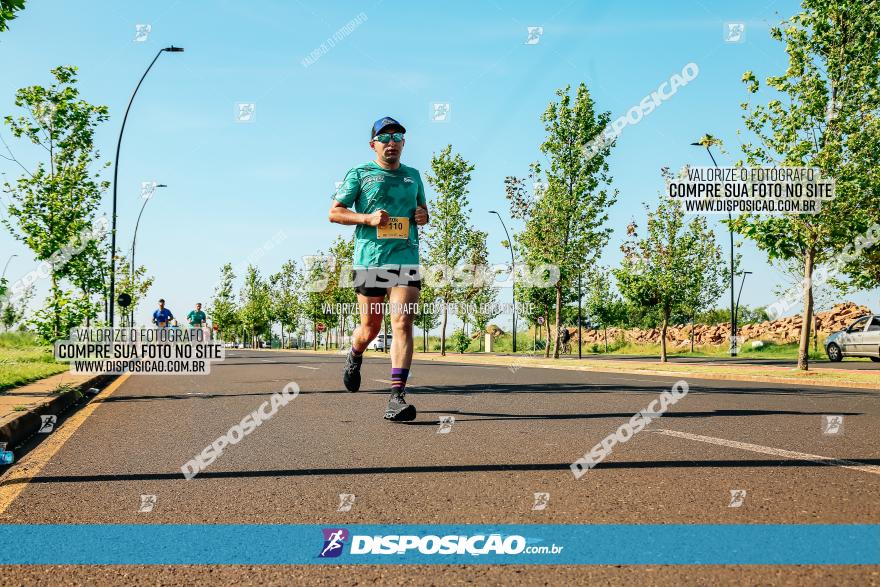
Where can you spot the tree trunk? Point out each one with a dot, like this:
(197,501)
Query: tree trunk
(56,319)
(692,332)
(815,335)
(443,333)
(807,316)
(558,318)
(663,326)
(547,336)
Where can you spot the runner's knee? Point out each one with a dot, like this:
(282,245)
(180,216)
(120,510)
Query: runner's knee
(372,327)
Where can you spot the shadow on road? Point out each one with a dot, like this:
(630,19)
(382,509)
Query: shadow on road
(487,416)
(673,464)
(724,387)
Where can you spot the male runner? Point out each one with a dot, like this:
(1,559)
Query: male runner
(162,316)
(389,201)
(197,318)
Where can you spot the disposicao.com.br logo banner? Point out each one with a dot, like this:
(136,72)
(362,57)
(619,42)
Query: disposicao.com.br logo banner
(476,544)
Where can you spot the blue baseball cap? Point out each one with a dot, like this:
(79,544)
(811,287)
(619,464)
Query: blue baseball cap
(384,123)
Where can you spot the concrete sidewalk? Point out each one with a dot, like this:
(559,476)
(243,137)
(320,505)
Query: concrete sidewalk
(21,407)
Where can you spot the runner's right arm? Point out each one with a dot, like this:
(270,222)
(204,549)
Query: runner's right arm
(342,215)
(345,197)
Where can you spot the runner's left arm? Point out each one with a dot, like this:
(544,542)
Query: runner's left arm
(421,214)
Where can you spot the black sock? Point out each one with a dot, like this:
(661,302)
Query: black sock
(357,356)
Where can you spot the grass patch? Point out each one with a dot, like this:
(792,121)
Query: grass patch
(68,388)
(24,359)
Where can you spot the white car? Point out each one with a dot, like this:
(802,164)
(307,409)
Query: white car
(859,339)
(379,343)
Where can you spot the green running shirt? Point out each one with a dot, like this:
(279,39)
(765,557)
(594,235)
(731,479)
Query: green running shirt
(368,188)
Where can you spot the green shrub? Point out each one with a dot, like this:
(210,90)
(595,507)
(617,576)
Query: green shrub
(459,341)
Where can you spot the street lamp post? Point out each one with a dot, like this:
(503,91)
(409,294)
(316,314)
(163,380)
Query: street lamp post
(732,270)
(5,267)
(513,274)
(112,299)
(132,266)
(740,294)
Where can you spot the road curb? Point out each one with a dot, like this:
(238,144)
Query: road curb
(20,426)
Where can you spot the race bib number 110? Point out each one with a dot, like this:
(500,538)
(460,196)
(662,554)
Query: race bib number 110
(397,227)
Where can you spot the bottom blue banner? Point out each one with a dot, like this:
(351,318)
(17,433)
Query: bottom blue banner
(640,544)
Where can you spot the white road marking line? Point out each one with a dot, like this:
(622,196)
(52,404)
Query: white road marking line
(777,452)
(383,381)
(307,367)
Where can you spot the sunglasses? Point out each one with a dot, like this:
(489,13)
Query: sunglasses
(385,137)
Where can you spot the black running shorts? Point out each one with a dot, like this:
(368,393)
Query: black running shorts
(375,281)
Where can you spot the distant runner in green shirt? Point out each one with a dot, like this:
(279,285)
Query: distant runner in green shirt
(197,318)
(389,203)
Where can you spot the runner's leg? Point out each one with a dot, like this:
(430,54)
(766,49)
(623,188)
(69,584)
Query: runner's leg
(370,310)
(402,299)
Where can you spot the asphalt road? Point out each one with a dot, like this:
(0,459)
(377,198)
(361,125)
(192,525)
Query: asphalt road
(515,432)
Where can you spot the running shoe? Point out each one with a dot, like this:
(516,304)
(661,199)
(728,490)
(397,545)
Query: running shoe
(398,410)
(351,374)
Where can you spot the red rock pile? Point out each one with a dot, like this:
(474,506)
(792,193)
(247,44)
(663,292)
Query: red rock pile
(784,330)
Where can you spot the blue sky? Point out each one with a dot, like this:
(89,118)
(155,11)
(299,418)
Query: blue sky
(233,186)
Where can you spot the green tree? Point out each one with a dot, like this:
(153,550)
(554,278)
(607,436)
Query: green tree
(705,280)
(604,306)
(136,285)
(55,203)
(8,8)
(285,287)
(654,273)
(342,251)
(822,112)
(64,311)
(13,309)
(448,233)
(254,311)
(565,221)
(480,293)
(319,278)
(428,316)
(534,302)
(223,308)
